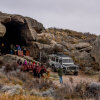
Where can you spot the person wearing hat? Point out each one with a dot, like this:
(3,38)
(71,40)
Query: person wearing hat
(60,73)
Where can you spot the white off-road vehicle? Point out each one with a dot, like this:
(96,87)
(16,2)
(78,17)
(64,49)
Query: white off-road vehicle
(57,60)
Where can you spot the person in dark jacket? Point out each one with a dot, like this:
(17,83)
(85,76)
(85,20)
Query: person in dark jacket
(60,73)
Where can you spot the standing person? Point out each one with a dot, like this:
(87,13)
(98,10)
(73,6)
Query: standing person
(24,50)
(25,65)
(39,70)
(60,73)
(12,49)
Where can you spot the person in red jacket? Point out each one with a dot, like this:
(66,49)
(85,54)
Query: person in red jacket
(43,70)
(39,71)
(33,66)
(35,70)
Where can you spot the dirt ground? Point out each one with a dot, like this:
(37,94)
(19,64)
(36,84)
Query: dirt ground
(73,80)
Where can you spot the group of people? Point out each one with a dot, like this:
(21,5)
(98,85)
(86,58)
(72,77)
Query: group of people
(12,49)
(37,68)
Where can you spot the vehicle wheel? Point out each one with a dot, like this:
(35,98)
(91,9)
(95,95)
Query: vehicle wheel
(76,73)
(65,72)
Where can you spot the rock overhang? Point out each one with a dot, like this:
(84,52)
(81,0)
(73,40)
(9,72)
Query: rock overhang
(29,27)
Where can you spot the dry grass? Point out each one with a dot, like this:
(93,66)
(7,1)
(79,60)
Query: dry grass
(21,97)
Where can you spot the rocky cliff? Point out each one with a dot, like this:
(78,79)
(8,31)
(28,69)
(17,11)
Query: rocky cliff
(17,29)
(78,45)
(82,47)
(28,26)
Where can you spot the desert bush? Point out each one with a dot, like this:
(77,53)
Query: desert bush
(8,68)
(78,92)
(63,92)
(21,97)
(22,76)
(40,84)
(15,80)
(11,67)
(14,66)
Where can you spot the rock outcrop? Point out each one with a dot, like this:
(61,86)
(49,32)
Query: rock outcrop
(20,30)
(28,27)
(96,50)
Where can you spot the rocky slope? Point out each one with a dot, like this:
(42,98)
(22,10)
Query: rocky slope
(25,31)
(78,45)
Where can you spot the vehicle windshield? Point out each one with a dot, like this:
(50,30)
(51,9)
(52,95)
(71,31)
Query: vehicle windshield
(67,61)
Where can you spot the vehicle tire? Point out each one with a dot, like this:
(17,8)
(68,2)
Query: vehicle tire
(75,73)
(65,72)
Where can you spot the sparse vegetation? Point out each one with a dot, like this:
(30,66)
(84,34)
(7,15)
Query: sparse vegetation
(21,97)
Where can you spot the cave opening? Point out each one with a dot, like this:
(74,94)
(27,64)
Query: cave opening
(13,35)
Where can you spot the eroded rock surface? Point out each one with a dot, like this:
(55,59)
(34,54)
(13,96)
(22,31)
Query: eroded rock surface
(29,26)
(96,50)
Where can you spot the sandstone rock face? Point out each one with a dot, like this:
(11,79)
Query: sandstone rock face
(81,45)
(96,50)
(28,26)
(2,30)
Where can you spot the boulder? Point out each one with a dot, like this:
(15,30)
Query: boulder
(95,53)
(81,45)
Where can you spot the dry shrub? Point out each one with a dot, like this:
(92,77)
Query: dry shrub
(67,92)
(8,68)
(63,92)
(11,67)
(14,65)
(4,79)
(15,80)
(21,97)
(40,84)
(22,76)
